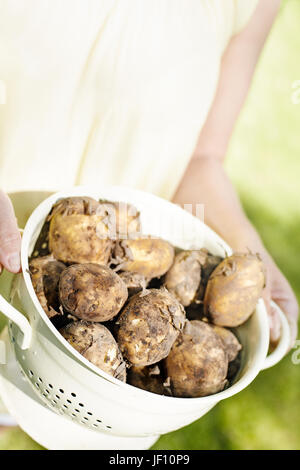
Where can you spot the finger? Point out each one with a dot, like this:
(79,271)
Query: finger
(10,238)
(290,308)
(285,298)
(275,330)
(274,319)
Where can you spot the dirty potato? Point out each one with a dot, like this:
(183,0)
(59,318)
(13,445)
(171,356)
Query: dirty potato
(126,219)
(183,278)
(97,345)
(230,342)
(150,257)
(45,274)
(233,369)
(233,290)
(197,364)
(134,282)
(79,231)
(147,378)
(148,326)
(207,267)
(209,262)
(92,292)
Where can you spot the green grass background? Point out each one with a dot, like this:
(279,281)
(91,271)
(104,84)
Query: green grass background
(264,163)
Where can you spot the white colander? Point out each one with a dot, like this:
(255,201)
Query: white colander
(72,386)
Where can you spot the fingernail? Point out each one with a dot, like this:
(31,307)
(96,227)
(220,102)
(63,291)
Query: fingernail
(14,263)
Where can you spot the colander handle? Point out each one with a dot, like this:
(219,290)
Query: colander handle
(284,343)
(24,340)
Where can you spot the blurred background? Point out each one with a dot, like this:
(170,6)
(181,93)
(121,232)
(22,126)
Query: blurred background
(264,163)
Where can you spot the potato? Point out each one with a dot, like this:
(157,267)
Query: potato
(127,219)
(194,310)
(233,369)
(233,290)
(147,378)
(148,326)
(92,292)
(134,282)
(208,266)
(150,257)
(79,231)
(183,278)
(197,364)
(45,274)
(97,345)
(230,342)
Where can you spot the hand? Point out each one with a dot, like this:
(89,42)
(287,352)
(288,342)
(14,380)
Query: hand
(10,238)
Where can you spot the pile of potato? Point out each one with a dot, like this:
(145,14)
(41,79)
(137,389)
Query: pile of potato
(153,316)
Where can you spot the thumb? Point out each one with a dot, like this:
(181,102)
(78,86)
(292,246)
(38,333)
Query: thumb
(10,238)
(274,320)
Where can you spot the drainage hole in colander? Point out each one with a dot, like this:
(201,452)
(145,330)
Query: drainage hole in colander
(31,373)
(86,419)
(37,385)
(95,425)
(40,380)
(108,427)
(80,404)
(54,402)
(50,386)
(47,391)
(99,421)
(65,406)
(89,413)
(73,414)
(58,397)
(73,395)
(61,390)
(77,411)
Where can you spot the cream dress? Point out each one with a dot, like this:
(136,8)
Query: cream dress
(107,91)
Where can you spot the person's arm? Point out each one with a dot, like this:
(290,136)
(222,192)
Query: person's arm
(205,180)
